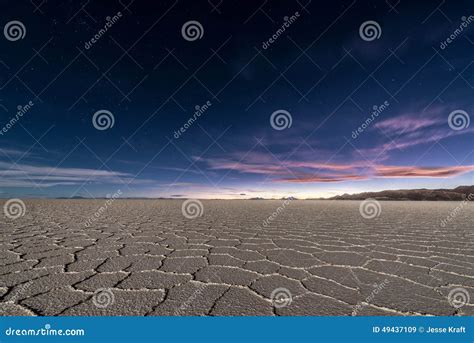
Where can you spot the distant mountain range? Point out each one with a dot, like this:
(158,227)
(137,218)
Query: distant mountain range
(458,193)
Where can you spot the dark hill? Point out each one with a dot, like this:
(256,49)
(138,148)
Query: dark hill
(458,193)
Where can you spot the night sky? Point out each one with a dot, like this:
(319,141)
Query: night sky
(387,108)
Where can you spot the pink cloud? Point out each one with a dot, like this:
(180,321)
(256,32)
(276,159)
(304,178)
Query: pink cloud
(413,172)
(251,168)
(409,140)
(319,172)
(406,124)
(322,166)
(322,178)
(267,164)
(413,121)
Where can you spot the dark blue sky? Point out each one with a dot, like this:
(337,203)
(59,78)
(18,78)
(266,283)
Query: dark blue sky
(321,70)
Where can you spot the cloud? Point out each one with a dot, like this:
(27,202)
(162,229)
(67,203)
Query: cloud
(12,152)
(23,175)
(320,172)
(406,124)
(267,164)
(323,166)
(427,172)
(288,171)
(182,170)
(323,178)
(412,129)
(382,171)
(249,168)
(410,140)
(414,121)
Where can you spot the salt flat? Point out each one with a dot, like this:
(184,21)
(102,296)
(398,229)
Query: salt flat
(144,257)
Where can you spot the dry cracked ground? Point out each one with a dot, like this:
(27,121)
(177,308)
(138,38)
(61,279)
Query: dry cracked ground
(143,257)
